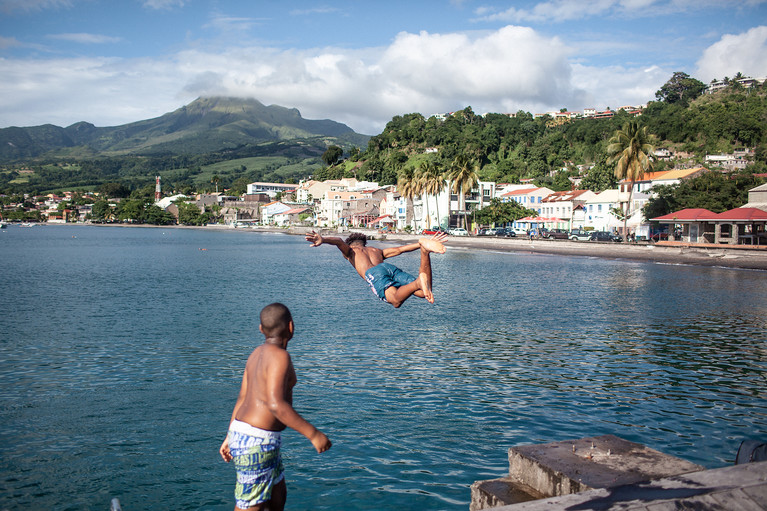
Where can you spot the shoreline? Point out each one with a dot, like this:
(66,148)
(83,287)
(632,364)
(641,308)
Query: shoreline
(745,257)
(662,252)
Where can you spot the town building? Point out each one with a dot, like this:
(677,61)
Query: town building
(270,188)
(558,207)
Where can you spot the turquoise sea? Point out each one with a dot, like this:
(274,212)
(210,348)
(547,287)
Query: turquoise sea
(121,351)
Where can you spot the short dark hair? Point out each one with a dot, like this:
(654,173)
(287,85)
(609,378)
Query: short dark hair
(357,236)
(275,319)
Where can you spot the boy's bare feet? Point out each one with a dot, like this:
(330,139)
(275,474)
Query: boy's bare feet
(426,287)
(432,245)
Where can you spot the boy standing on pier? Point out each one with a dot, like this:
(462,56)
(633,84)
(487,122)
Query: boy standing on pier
(263,409)
(388,282)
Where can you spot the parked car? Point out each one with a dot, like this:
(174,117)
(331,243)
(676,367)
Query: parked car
(579,235)
(433,230)
(510,233)
(500,232)
(458,231)
(557,234)
(604,236)
(485,231)
(519,231)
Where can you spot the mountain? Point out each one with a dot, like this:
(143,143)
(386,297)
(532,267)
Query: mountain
(205,125)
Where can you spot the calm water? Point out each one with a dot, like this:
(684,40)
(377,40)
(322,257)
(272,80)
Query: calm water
(121,352)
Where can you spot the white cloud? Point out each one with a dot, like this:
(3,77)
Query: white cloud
(163,4)
(506,70)
(557,11)
(225,23)
(553,11)
(617,86)
(85,38)
(316,10)
(8,42)
(9,6)
(745,53)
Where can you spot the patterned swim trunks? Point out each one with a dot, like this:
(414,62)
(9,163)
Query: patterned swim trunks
(256,454)
(383,276)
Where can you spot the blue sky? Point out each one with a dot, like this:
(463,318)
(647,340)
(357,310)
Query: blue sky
(112,62)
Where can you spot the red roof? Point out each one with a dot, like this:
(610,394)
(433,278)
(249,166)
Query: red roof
(293,211)
(381,218)
(743,215)
(704,215)
(686,215)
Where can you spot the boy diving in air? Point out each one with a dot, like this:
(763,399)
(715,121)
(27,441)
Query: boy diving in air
(388,282)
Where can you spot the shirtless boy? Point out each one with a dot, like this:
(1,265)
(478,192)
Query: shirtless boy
(388,282)
(263,409)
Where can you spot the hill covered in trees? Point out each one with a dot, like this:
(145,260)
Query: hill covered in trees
(507,148)
(222,143)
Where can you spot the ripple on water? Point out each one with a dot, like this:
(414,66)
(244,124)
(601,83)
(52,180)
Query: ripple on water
(120,368)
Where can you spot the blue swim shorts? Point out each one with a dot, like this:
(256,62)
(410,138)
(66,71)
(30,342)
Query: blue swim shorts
(256,454)
(383,276)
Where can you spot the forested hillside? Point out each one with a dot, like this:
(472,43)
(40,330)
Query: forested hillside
(507,149)
(501,148)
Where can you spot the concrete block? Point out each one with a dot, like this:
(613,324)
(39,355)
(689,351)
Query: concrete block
(500,492)
(573,466)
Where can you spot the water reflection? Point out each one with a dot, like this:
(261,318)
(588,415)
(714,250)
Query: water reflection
(119,368)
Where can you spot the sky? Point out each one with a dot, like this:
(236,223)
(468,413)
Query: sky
(112,62)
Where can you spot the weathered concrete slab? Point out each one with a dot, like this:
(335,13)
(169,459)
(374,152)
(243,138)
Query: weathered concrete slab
(572,466)
(499,492)
(734,488)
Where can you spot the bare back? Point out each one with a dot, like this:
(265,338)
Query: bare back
(363,258)
(269,372)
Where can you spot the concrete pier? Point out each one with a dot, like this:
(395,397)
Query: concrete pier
(734,488)
(561,468)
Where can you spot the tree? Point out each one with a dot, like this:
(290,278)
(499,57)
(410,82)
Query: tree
(114,190)
(463,174)
(215,179)
(600,177)
(408,184)
(432,182)
(680,88)
(102,210)
(157,216)
(631,148)
(131,210)
(498,212)
(189,214)
(332,155)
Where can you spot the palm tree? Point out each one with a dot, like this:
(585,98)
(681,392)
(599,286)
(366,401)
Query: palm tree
(409,185)
(463,174)
(432,181)
(631,147)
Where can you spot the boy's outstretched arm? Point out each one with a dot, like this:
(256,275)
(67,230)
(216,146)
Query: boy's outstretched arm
(395,251)
(316,240)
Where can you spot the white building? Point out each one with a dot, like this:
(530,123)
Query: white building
(559,207)
(273,208)
(530,197)
(598,213)
(270,188)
